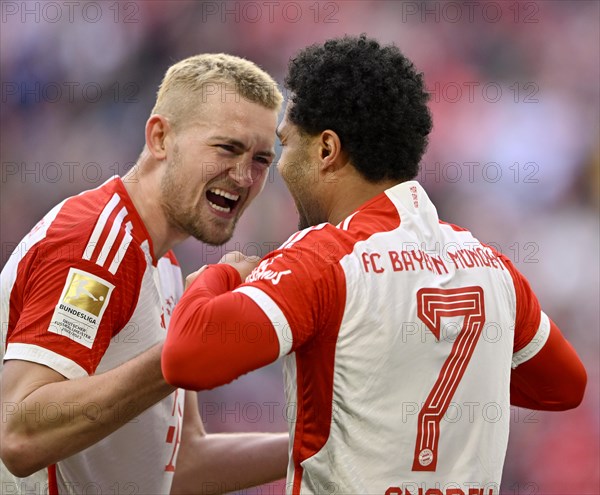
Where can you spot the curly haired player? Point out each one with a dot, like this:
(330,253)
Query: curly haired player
(388,318)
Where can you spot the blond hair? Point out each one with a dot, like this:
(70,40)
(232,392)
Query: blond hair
(204,74)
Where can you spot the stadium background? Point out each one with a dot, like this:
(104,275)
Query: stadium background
(514,155)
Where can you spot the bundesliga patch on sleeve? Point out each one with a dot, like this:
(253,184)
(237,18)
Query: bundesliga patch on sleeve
(80,308)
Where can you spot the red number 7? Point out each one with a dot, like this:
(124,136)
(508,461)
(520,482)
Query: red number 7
(432,305)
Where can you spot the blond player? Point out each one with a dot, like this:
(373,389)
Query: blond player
(87,296)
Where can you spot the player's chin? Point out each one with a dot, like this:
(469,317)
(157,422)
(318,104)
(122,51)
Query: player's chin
(218,233)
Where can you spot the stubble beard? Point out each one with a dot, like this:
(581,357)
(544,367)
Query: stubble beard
(309,210)
(301,189)
(188,220)
(303,222)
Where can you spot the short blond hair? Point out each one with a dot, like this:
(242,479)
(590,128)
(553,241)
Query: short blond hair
(201,74)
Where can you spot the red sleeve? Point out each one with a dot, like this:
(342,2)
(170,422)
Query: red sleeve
(302,290)
(547,373)
(216,335)
(528,310)
(69,308)
(553,380)
(295,295)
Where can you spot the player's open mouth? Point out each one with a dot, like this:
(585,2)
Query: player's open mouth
(221,200)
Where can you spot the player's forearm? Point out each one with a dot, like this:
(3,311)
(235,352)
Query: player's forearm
(59,419)
(215,335)
(223,463)
(211,344)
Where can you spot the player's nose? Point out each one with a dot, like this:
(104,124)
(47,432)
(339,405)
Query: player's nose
(242,173)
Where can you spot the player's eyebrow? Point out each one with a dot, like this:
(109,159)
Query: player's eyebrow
(240,145)
(270,154)
(229,140)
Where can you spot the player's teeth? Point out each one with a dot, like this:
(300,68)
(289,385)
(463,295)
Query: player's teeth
(225,194)
(219,208)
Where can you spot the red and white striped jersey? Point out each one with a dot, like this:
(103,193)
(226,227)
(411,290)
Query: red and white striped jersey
(82,294)
(400,332)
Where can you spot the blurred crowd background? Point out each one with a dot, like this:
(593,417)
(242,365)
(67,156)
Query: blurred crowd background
(514,154)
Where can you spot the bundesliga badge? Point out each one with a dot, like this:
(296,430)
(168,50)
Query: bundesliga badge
(81,306)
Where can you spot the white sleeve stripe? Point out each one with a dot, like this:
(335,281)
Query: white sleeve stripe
(346,223)
(112,235)
(120,254)
(108,209)
(291,239)
(538,341)
(278,319)
(301,235)
(36,354)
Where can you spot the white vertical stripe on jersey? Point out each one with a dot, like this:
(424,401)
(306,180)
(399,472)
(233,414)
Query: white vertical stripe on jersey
(102,219)
(112,235)
(120,254)
(278,319)
(538,341)
(291,239)
(346,222)
(302,234)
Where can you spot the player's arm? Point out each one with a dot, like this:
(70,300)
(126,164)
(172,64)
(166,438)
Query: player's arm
(207,343)
(547,373)
(220,331)
(554,379)
(219,463)
(53,403)
(47,418)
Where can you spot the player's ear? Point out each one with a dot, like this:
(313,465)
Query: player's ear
(157,129)
(331,154)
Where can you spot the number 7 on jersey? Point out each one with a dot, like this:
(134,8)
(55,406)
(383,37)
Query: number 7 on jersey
(432,305)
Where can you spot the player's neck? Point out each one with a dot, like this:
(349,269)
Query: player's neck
(351,194)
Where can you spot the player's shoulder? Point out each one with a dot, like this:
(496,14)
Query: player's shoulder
(453,227)
(461,241)
(309,236)
(77,215)
(98,225)
(316,238)
(330,243)
(463,237)
(308,254)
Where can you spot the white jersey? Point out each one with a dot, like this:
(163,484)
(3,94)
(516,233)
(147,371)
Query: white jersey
(401,332)
(82,294)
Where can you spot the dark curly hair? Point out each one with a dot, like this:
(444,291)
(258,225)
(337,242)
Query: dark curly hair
(371,96)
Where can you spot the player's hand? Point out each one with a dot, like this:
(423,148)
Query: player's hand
(193,276)
(243,264)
